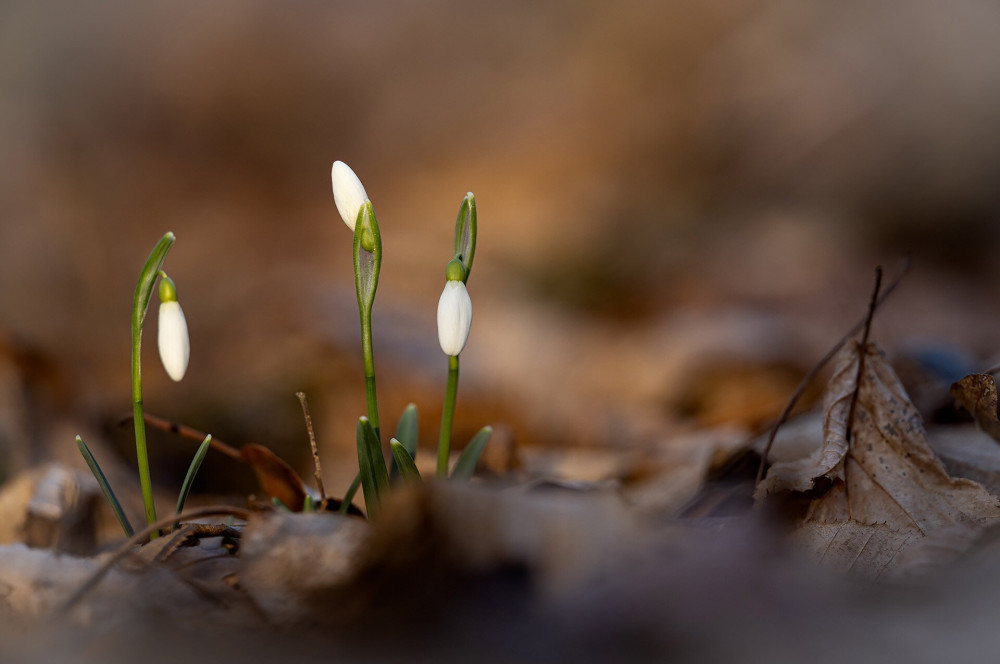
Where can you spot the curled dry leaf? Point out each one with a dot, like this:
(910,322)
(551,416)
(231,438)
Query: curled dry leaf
(887,490)
(276,477)
(977,393)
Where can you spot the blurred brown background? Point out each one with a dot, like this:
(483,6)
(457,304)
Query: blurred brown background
(681,205)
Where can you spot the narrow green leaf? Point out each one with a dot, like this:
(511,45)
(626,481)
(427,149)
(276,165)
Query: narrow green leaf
(199,456)
(406,430)
(308,505)
(102,481)
(469,458)
(345,504)
(371,463)
(406,434)
(407,469)
(378,461)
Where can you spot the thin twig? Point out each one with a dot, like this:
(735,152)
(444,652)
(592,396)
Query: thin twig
(188,432)
(315,449)
(181,536)
(872,304)
(809,377)
(862,353)
(140,537)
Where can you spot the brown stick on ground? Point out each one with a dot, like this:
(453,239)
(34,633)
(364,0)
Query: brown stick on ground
(188,432)
(315,449)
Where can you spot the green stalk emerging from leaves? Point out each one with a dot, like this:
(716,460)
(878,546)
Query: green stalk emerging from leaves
(455,318)
(143,291)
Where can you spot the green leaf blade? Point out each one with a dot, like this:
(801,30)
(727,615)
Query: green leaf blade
(406,435)
(407,469)
(345,504)
(469,458)
(371,464)
(102,481)
(192,471)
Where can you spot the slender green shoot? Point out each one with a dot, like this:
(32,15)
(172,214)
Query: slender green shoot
(102,481)
(374,476)
(406,435)
(467,461)
(448,417)
(143,291)
(199,456)
(407,469)
(345,504)
(367,265)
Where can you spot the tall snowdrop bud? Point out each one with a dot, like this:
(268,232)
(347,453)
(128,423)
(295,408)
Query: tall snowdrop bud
(348,192)
(454,317)
(172,332)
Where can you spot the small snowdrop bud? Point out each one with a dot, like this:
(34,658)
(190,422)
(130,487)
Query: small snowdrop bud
(172,332)
(454,317)
(348,192)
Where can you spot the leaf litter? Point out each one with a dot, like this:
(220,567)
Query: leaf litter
(873,497)
(559,570)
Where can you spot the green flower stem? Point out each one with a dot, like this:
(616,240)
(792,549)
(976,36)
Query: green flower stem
(369,362)
(143,291)
(448,417)
(145,481)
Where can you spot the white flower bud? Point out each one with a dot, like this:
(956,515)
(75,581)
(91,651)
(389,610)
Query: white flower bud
(172,337)
(454,317)
(348,192)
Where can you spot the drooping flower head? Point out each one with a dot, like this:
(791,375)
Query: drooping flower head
(454,314)
(172,332)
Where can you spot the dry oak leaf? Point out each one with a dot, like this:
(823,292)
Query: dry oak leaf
(978,394)
(887,489)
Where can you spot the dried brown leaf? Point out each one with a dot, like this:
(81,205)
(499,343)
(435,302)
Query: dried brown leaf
(977,393)
(888,490)
(276,477)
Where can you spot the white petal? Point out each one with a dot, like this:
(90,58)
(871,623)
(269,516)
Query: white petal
(454,317)
(172,338)
(348,192)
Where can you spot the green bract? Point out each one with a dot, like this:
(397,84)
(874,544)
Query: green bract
(465,233)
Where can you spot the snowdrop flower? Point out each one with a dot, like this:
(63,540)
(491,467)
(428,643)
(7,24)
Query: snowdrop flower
(172,332)
(348,192)
(454,317)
